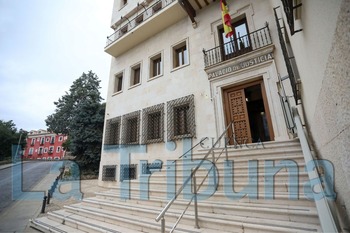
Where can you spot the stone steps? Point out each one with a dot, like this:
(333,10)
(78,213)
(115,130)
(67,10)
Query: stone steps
(132,206)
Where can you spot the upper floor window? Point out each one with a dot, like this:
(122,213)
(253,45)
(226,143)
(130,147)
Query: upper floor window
(239,42)
(31,151)
(33,142)
(60,139)
(118,83)
(156,68)
(135,75)
(180,54)
(123,3)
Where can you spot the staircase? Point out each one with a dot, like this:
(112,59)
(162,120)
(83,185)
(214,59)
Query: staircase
(269,210)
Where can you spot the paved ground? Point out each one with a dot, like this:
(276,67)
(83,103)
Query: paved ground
(16,217)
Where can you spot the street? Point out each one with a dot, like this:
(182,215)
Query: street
(33,172)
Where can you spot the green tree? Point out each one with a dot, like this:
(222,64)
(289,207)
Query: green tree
(80,115)
(8,136)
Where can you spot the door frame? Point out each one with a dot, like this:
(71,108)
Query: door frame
(226,107)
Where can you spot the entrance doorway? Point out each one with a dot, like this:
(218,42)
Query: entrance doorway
(246,106)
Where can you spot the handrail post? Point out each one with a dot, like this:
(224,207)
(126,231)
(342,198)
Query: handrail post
(195,202)
(226,148)
(214,173)
(162,225)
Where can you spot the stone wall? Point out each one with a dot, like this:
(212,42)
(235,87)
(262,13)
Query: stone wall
(330,126)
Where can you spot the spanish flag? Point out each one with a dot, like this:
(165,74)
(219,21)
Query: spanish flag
(226,19)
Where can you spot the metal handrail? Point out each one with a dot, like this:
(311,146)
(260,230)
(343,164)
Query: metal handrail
(200,142)
(324,212)
(194,197)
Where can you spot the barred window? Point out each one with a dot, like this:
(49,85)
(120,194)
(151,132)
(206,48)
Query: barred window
(109,172)
(128,172)
(112,131)
(181,118)
(153,124)
(181,115)
(130,128)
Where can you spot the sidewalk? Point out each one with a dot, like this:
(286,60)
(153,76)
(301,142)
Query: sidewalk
(16,217)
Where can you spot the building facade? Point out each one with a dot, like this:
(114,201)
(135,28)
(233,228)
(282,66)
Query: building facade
(175,75)
(44,145)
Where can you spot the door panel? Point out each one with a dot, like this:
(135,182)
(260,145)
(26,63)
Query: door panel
(237,112)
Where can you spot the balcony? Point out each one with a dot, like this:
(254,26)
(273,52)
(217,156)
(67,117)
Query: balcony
(237,47)
(155,18)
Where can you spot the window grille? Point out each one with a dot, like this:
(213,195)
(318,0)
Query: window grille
(112,134)
(153,124)
(148,167)
(109,172)
(130,128)
(128,172)
(181,118)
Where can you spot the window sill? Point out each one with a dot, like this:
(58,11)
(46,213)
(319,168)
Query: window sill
(133,86)
(117,93)
(155,77)
(179,67)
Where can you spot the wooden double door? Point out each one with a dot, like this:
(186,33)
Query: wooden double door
(246,106)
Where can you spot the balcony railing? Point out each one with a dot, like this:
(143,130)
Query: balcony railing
(138,20)
(239,46)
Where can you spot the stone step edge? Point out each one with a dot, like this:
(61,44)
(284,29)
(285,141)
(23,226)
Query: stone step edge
(212,203)
(286,210)
(224,219)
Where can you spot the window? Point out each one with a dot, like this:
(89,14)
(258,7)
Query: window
(118,83)
(130,128)
(31,151)
(156,7)
(60,139)
(181,118)
(58,149)
(52,140)
(123,3)
(45,150)
(239,42)
(156,68)
(51,149)
(40,151)
(180,54)
(135,75)
(153,124)
(47,139)
(128,172)
(109,172)
(139,19)
(112,131)
(297,13)
(33,142)
(42,141)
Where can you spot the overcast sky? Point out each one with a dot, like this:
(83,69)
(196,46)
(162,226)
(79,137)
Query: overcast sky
(44,46)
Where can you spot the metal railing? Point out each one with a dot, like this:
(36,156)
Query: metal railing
(137,20)
(195,188)
(325,215)
(291,74)
(238,46)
